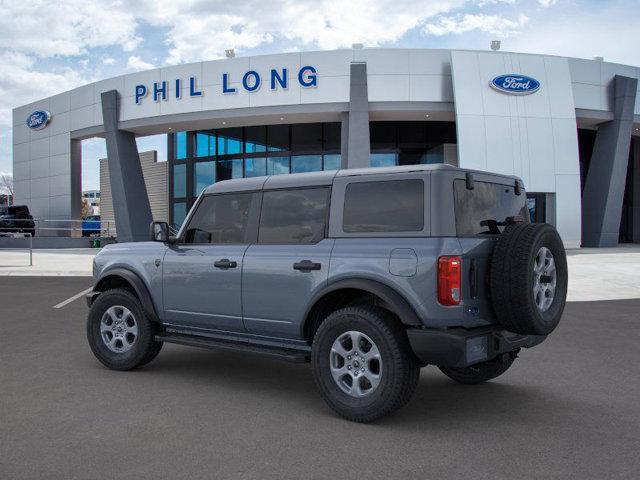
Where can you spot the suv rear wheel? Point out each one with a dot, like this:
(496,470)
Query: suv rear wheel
(363,364)
(120,334)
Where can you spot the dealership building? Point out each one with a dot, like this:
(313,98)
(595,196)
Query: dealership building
(568,127)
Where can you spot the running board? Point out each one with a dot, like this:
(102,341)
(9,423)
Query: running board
(281,353)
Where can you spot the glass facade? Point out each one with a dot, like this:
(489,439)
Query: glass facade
(409,143)
(201,158)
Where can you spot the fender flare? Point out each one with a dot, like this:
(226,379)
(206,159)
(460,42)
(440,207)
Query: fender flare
(138,285)
(397,303)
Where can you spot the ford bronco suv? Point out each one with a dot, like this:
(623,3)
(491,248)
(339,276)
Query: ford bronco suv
(368,274)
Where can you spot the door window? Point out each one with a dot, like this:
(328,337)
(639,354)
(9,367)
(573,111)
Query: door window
(296,216)
(220,219)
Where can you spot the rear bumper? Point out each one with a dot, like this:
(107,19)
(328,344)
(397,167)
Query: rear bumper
(461,347)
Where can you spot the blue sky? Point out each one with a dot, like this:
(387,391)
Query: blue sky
(52,47)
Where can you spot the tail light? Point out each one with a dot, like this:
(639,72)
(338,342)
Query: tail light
(449,276)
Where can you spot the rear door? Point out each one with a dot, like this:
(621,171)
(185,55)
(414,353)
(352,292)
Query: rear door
(480,217)
(289,262)
(202,273)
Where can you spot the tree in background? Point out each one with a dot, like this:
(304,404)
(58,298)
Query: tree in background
(6,186)
(86,208)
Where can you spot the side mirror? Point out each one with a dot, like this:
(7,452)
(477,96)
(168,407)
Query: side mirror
(159,232)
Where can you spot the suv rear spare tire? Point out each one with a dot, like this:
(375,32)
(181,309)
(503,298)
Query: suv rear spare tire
(529,278)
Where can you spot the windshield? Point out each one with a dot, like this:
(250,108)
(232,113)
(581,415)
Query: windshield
(485,209)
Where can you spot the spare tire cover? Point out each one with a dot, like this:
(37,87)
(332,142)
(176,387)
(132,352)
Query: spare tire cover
(529,278)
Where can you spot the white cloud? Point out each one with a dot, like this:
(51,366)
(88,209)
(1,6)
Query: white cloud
(41,39)
(325,24)
(491,24)
(589,37)
(135,63)
(21,83)
(46,28)
(484,3)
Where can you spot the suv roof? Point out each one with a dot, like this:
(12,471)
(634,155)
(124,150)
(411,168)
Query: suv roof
(326,177)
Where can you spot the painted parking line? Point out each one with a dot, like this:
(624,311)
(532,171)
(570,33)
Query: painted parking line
(72,299)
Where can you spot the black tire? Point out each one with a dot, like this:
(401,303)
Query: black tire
(143,349)
(481,372)
(152,352)
(399,372)
(513,278)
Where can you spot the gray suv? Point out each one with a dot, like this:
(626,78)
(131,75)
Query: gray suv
(368,274)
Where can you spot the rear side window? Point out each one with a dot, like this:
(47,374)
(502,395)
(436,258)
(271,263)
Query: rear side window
(484,210)
(386,206)
(220,219)
(294,216)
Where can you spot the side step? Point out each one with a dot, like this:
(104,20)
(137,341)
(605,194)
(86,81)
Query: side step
(281,353)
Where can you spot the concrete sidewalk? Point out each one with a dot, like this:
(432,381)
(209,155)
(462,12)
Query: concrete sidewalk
(594,274)
(604,273)
(69,262)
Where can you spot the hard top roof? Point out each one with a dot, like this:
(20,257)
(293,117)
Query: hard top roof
(311,179)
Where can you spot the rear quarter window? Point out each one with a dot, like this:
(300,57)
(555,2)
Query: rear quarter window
(485,209)
(384,206)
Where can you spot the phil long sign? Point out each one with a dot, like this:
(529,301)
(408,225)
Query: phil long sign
(250,81)
(515,84)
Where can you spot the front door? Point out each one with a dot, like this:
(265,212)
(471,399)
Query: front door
(289,262)
(202,272)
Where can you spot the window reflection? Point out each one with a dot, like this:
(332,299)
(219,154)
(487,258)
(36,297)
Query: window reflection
(306,163)
(255,167)
(383,159)
(332,162)
(229,141)
(228,169)
(205,144)
(179,214)
(255,139)
(180,180)
(180,146)
(204,174)
(250,151)
(277,165)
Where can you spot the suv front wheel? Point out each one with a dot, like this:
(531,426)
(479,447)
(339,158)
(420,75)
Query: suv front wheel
(120,334)
(363,364)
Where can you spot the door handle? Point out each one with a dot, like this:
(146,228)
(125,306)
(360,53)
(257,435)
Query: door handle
(225,263)
(306,266)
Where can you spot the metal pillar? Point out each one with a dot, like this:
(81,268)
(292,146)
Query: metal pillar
(356,122)
(130,201)
(604,187)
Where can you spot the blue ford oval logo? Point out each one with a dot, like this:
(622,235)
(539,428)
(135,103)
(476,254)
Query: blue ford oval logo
(38,119)
(515,84)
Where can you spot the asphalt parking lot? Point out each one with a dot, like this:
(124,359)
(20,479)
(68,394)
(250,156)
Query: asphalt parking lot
(567,409)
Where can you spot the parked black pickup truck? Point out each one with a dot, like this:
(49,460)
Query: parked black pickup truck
(17,219)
